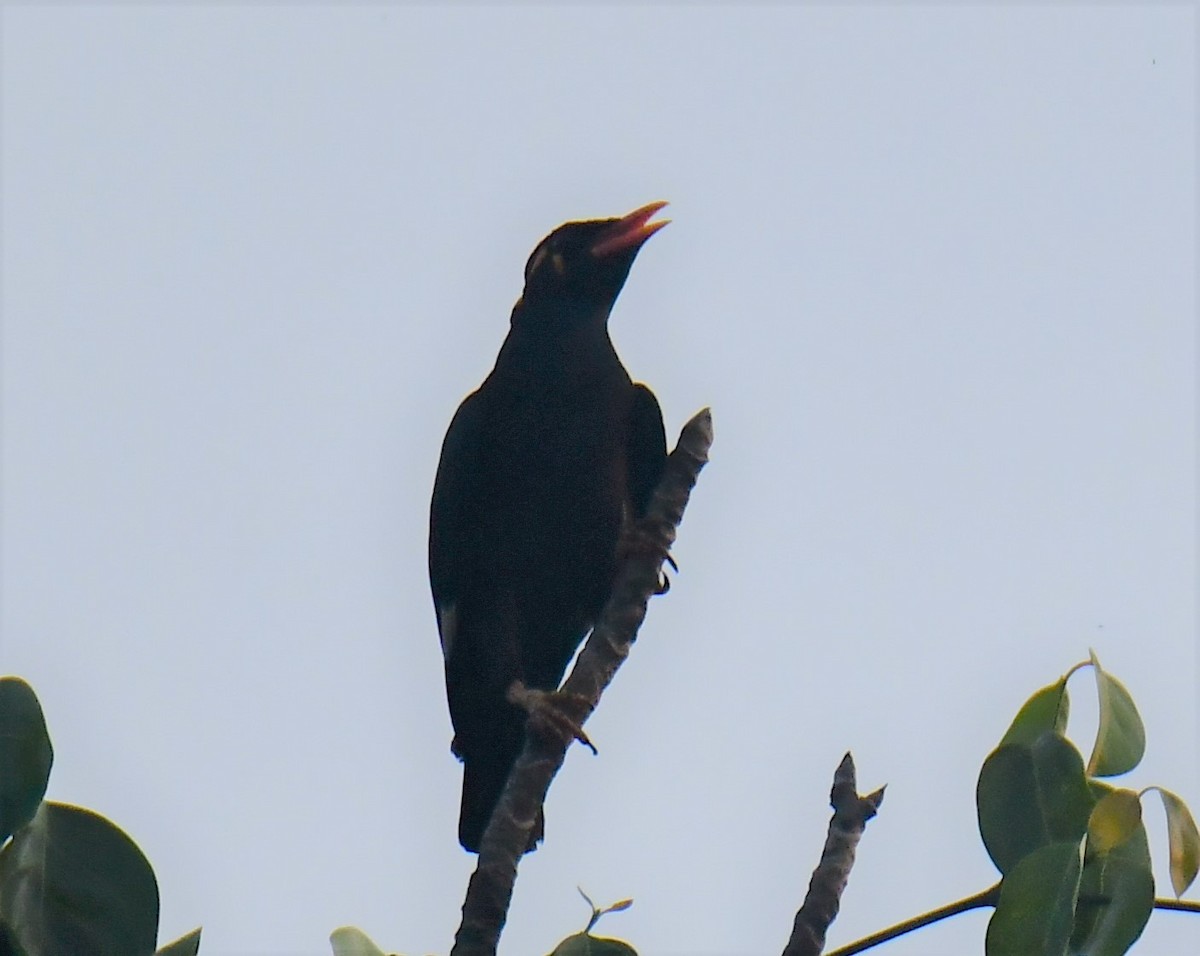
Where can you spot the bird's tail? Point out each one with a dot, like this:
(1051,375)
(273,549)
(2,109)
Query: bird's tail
(483,783)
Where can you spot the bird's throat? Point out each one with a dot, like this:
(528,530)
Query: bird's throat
(566,343)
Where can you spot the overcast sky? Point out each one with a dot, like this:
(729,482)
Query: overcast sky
(932,268)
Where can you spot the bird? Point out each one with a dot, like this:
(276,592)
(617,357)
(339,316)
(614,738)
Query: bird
(541,468)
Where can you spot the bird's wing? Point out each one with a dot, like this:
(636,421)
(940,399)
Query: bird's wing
(646,453)
(452,518)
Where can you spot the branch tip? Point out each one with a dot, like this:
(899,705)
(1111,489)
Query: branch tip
(850,815)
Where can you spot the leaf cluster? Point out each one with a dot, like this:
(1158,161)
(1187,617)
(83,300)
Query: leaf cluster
(1071,847)
(70,880)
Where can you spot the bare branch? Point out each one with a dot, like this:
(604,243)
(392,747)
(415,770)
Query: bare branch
(490,889)
(820,908)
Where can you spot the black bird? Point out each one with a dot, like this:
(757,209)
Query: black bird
(539,468)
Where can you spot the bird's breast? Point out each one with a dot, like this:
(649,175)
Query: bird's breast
(556,461)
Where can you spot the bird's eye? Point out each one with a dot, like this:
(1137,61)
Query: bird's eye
(535,260)
(539,257)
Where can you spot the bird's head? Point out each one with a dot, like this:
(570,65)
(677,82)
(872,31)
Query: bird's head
(586,263)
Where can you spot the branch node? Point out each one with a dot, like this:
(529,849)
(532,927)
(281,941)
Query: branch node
(820,908)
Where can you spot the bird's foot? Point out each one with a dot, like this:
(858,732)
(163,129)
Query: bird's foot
(552,712)
(640,538)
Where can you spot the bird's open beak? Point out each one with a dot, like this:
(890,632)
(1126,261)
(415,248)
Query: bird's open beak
(629,231)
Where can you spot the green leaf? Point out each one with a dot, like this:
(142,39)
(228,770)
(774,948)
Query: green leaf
(352,941)
(25,755)
(1116,893)
(1037,904)
(1046,710)
(1120,736)
(8,945)
(584,944)
(616,907)
(1030,796)
(1114,818)
(1183,841)
(188,945)
(72,882)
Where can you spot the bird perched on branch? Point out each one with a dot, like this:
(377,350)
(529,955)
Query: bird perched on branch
(540,468)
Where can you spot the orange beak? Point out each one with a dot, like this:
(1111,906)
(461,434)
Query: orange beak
(629,231)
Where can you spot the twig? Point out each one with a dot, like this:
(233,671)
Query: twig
(490,889)
(988,897)
(850,815)
(1181,906)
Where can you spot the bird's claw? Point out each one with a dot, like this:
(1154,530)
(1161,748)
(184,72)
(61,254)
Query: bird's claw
(638,537)
(664,582)
(553,712)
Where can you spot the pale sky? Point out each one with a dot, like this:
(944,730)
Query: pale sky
(933,269)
